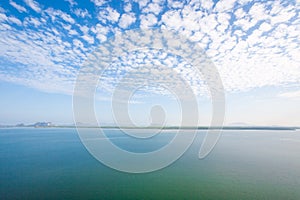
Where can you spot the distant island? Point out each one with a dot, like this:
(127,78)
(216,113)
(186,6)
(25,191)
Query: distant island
(36,125)
(51,125)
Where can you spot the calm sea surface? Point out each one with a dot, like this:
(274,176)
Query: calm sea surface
(53,164)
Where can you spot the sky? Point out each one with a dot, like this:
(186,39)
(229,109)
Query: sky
(254,45)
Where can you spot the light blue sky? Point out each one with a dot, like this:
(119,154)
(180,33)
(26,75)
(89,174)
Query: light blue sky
(255,46)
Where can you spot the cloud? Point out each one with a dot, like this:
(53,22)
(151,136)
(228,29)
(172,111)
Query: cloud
(154,8)
(53,13)
(148,68)
(142,3)
(108,15)
(127,7)
(83,13)
(126,20)
(33,5)
(225,5)
(252,44)
(175,4)
(257,54)
(148,20)
(99,2)
(88,38)
(28,21)
(100,31)
(17,6)
(38,58)
(15,20)
(172,19)
(205,4)
(71,2)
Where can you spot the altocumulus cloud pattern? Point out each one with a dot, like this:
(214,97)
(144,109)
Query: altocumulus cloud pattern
(252,43)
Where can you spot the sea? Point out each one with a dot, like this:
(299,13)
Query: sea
(52,163)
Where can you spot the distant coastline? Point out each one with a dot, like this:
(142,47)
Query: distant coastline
(50,125)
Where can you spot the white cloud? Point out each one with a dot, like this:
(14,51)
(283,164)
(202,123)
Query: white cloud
(244,61)
(172,20)
(100,31)
(84,29)
(258,11)
(17,6)
(175,4)
(99,2)
(78,44)
(71,2)
(154,8)
(15,20)
(225,5)
(245,23)
(88,38)
(259,49)
(126,20)
(148,20)
(285,15)
(67,18)
(82,13)
(239,13)
(142,3)
(127,7)
(265,27)
(109,14)
(40,57)
(53,13)
(32,21)
(33,5)
(207,4)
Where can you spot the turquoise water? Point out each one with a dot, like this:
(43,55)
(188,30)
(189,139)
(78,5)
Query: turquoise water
(53,164)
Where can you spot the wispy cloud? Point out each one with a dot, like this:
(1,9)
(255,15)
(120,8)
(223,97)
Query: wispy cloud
(72,2)
(33,5)
(17,6)
(82,13)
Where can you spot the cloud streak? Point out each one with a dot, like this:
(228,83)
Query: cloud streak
(17,6)
(33,5)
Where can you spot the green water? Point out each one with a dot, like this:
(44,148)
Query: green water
(53,164)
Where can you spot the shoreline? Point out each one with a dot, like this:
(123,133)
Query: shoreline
(280,128)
